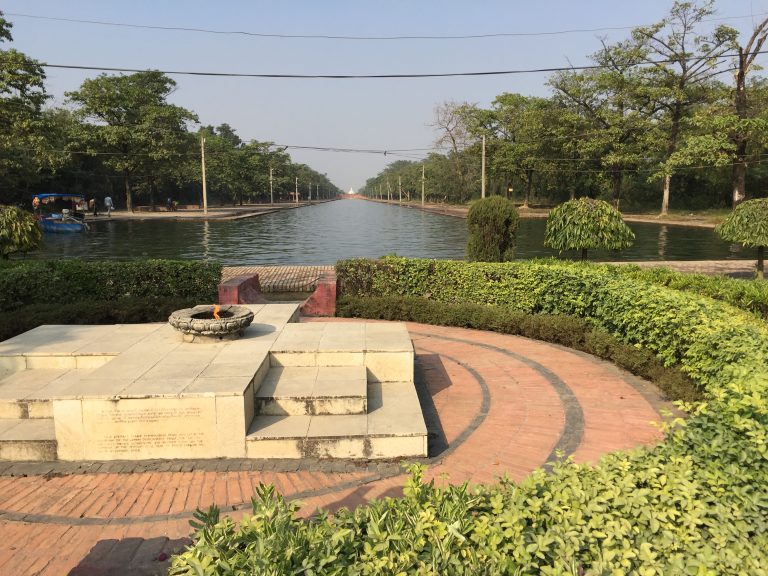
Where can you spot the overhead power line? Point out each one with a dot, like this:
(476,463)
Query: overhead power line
(355,38)
(722,57)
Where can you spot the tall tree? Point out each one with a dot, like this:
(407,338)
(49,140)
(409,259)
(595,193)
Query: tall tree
(454,136)
(683,64)
(129,120)
(617,120)
(23,146)
(740,135)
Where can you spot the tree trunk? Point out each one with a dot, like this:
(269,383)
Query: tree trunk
(128,198)
(528,187)
(740,173)
(760,258)
(665,195)
(617,178)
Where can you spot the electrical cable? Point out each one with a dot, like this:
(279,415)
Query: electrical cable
(356,38)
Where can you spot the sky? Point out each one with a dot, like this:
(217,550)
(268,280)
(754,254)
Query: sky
(380,114)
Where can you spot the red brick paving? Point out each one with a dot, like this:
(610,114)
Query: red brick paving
(281,278)
(525,420)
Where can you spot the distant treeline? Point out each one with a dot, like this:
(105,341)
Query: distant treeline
(120,136)
(669,117)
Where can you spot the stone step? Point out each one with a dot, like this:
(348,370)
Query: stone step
(392,428)
(28,393)
(312,390)
(385,350)
(27,439)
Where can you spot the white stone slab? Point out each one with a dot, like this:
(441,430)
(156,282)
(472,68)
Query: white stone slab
(335,426)
(342,338)
(279,427)
(24,429)
(394,410)
(389,366)
(139,429)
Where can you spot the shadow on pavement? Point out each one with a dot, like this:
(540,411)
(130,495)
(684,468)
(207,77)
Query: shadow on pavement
(130,557)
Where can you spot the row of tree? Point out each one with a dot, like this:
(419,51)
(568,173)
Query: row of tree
(120,136)
(653,120)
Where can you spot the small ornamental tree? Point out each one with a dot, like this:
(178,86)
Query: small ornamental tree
(492,225)
(748,225)
(18,231)
(586,224)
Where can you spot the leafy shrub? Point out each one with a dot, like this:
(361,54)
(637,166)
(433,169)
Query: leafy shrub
(569,331)
(18,231)
(123,311)
(748,225)
(69,281)
(748,295)
(694,504)
(587,224)
(491,226)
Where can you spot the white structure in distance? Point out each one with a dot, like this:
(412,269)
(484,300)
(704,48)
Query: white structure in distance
(351,191)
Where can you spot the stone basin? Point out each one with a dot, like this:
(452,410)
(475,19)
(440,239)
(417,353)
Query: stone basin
(200,323)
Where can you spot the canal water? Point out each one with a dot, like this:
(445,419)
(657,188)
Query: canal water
(325,233)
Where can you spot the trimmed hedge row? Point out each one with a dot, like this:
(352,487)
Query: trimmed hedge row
(123,311)
(695,504)
(567,331)
(750,295)
(67,281)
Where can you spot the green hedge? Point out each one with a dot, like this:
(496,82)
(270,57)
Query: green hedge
(750,295)
(123,311)
(568,331)
(67,281)
(695,504)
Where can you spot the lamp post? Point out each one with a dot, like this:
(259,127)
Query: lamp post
(271,192)
(202,163)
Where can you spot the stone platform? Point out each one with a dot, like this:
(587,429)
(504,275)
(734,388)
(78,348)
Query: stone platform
(283,390)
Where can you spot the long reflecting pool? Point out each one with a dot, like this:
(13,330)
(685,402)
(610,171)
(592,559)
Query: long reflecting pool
(325,233)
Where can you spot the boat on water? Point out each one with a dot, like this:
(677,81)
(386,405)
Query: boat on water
(52,216)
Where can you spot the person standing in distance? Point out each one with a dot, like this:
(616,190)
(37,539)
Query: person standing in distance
(108,205)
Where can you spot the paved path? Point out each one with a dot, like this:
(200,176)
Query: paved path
(280,278)
(494,404)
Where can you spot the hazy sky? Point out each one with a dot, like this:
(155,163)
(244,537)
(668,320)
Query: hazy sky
(379,114)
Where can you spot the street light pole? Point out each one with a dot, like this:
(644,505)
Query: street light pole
(271,191)
(202,162)
(296,198)
(422,184)
(482,176)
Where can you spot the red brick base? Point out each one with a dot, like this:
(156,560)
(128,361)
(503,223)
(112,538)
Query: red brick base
(323,299)
(244,289)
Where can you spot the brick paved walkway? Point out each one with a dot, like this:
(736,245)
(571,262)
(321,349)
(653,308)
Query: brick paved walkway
(494,404)
(280,278)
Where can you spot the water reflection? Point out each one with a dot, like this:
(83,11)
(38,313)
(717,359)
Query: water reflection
(328,232)
(662,251)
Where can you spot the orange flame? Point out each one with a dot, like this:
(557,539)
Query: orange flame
(216,311)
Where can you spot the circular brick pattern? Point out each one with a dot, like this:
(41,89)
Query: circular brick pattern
(494,405)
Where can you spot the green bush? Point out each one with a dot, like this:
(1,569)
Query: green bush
(18,231)
(587,224)
(749,295)
(491,227)
(68,281)
(748,225)
(695,504)
(123,311)
(569,331)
